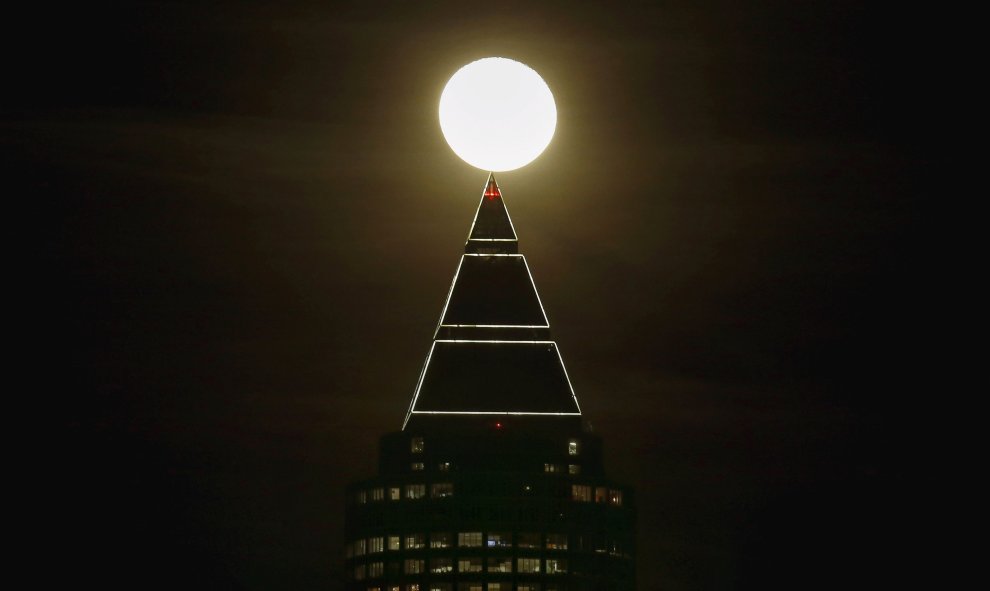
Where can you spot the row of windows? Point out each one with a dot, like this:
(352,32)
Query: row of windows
(572,469)
(420,466)
(417,444)
(602,494)
(439,490)
(418,541)
(468,586)
(579,492)
(442,566)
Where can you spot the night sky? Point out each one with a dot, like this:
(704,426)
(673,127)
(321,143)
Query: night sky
(248,220)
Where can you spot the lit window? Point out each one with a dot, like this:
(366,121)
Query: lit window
(415,491)
(581,493)
(359,547)
(440,587)
(443,466)
(359,572)
(528,541)
(441,566)
(551,468)
(413,567)
(572,447)
(393,543)
(615,497)
(441,490)
(377,494)
(394,493)
(527,565)
(469,565)
(416,466)
(416,445)
(469,587)
(614,548)
(376,545)
(573,469)
(502,540)
(469,539)
(556,566)
(375,569)
(528,587)
(415,541)
(499,586)
(556,541)
(440,540)
(601,494)
(374,589)
(500,564)
(412,587)
(362,497)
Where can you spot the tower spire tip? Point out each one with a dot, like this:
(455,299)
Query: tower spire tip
(491,190)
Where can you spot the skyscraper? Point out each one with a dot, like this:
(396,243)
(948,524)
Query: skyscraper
(494,483)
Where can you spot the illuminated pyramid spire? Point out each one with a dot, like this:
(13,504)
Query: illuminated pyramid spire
(492,353)
(492,231)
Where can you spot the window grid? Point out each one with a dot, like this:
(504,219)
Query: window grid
(469,565)
(440,540)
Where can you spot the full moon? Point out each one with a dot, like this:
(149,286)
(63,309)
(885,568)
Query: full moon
(497,114)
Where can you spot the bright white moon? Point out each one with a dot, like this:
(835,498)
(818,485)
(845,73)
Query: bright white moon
(497,114)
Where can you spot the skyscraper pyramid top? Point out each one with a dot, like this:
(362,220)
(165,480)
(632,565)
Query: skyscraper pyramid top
(492,231)
(492,353)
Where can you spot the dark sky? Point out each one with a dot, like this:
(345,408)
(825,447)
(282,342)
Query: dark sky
(248,221)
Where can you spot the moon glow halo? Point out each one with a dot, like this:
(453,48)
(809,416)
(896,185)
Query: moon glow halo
(497,114)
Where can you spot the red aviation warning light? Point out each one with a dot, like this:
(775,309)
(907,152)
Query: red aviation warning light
(491,191)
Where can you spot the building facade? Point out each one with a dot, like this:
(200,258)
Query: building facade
(494,482)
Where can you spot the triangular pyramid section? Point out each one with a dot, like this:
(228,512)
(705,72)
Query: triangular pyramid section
(492,231)
(493,296)
(495,377)
(492,353)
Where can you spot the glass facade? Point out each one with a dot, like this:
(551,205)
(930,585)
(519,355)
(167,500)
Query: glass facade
(494,419)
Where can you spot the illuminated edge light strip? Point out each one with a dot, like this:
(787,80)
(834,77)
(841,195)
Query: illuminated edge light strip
(532,283)
(450,294)
(491,176)
(419,384)
(495,325)
(495,341)
(426,365)
(494,412)
(567,377)
(537,292)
